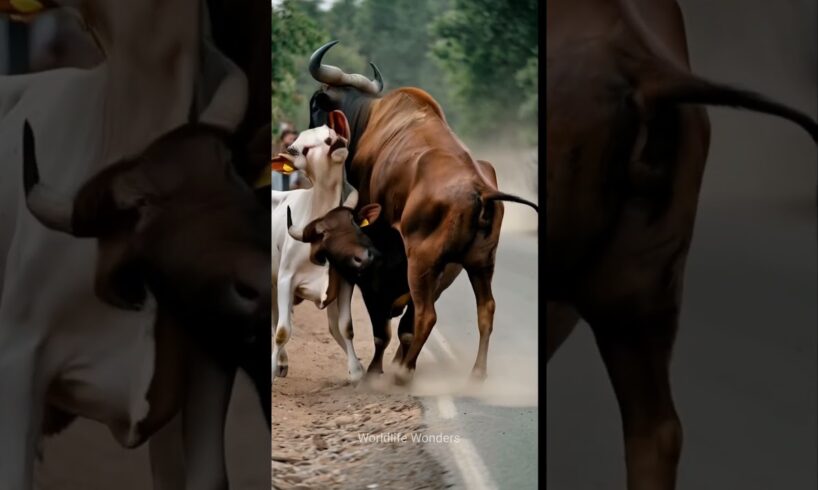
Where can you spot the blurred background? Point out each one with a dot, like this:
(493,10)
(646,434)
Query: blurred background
(86,456)
(744,369)
(478,59)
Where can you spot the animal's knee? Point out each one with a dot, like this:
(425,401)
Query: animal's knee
(426,318)
(668,438)
(662,437)
(489,306)
(282,335)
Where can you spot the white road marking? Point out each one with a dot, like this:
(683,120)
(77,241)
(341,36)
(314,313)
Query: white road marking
(445,407)
(474,471)
(472,468)
(444,344)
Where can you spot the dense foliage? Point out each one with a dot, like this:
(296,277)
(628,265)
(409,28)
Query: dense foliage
(478,58)
(295,35)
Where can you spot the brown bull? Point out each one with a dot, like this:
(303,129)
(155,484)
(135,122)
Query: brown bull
(443,204)
(627,140)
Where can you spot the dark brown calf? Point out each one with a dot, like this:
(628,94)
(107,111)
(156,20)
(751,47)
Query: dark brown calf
(337,237)
(178,222)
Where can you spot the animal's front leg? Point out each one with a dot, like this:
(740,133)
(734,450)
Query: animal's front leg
(381,333)
(167,456)
(333,318)
(21,405)
(283,362)
(344,301)
(424,272)
(203,421)
(285,291)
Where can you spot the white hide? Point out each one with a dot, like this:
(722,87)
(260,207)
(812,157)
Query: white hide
(58,342)
(293,274)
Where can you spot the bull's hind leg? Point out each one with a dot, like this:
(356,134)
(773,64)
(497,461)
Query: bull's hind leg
(637,357)
(561,318)
(480,278)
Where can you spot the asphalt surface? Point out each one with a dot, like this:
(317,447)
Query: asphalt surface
(498,419)
(744,370)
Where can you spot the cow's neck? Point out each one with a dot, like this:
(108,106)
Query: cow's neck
(326,195)
(151,64)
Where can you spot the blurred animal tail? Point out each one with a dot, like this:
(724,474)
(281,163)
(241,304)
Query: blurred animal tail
(661,79)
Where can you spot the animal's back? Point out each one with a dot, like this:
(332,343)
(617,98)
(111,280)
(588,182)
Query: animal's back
(406,130)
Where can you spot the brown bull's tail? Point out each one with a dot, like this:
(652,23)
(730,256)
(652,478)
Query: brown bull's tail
(662,78)
(502,196)
(685,88)
(485,216)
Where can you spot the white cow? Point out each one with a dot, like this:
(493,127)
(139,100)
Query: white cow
(296,275)
(60,345)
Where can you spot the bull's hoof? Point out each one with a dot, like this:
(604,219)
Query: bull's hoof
(356,375)
(478,374)
(282,371)
(403,376)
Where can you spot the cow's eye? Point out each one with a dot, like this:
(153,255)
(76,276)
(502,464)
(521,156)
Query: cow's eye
(292,151)
(328,141)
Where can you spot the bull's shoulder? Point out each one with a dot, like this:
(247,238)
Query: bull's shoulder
(421,98)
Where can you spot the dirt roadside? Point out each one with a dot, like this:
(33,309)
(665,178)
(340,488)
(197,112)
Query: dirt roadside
(320,421)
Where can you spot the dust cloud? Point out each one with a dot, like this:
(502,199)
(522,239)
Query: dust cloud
(517,169)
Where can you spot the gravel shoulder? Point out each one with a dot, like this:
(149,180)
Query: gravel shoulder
(328,433)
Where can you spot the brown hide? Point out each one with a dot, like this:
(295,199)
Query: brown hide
(626,147)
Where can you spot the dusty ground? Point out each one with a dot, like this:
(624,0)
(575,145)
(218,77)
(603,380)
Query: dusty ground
(319,418)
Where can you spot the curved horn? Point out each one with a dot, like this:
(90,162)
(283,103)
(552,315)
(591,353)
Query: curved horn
(53,211)
(316,68)
(332,75)
(378,77)
(297,234)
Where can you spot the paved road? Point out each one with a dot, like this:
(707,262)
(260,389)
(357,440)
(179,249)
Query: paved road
(499,419)
(744,371)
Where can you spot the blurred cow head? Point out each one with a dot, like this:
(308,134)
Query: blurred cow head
(175,220)
(337,237)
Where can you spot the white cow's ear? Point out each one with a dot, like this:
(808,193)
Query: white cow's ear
(339,155)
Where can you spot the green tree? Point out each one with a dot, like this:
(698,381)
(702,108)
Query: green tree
(378,31)
(488,51)
(395,35)
(295,34)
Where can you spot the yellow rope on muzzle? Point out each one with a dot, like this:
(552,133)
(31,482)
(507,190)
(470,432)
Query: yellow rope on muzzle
(26,6)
